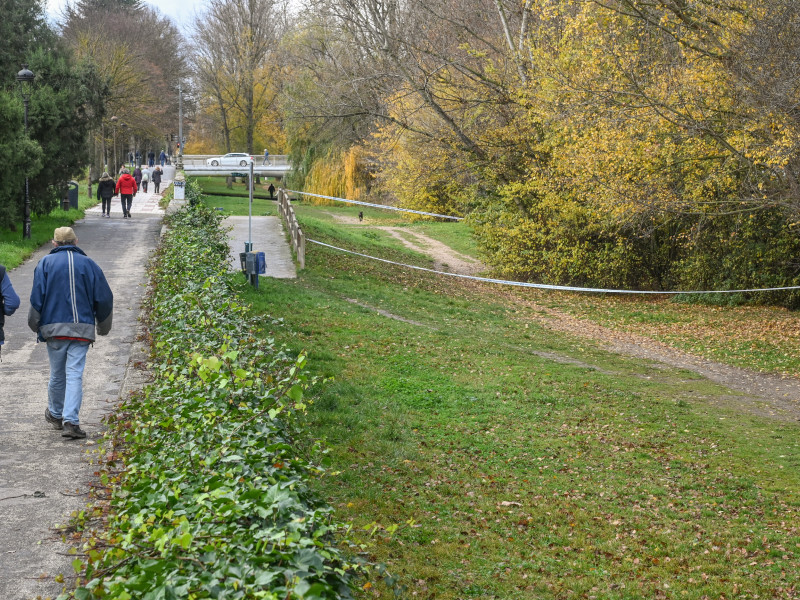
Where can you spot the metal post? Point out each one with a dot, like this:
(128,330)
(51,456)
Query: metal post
(179,163)
(249,243)
(25,78)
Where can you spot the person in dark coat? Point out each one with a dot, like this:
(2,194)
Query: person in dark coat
(271,190)
(137,175)
(162,158)
(151,159)
(9,301)
(105,191)
(156,177)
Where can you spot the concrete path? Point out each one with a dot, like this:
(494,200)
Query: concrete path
(43,476)
(143,203)
(268,237)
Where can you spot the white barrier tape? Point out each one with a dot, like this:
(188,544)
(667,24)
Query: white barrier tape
(544,286)
(416,212)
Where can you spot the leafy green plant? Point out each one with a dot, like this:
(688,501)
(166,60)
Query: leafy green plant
(213,500)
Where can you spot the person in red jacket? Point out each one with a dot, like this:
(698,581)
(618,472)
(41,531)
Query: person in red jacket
(126,188)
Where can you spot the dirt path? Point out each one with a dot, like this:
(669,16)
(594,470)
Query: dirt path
(761,394)
(444,257)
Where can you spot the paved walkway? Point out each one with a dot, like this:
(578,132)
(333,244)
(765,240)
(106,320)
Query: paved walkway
(267,237)
(43,476)
(143,203)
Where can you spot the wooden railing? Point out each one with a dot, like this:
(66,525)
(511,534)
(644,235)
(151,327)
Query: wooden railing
(286,212)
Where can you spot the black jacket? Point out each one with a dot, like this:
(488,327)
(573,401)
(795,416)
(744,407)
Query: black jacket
(155,176)
(105,188)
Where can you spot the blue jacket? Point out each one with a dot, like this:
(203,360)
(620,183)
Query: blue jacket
(9,301)
(70,293)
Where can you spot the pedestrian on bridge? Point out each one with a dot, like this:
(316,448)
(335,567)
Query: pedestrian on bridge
(71,301)
(266,158)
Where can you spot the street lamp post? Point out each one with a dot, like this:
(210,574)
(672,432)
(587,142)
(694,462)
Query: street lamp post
(179,164)
(25,78)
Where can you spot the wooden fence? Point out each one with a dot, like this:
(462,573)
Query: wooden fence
(286,212)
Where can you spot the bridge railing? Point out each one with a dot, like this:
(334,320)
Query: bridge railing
(199,160)
(286,211)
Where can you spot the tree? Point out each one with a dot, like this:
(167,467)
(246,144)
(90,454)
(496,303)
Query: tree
(238,65)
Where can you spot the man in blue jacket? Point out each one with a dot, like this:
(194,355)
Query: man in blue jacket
(9,301)
(70,294)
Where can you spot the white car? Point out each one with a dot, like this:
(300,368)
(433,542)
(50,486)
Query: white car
(235,159)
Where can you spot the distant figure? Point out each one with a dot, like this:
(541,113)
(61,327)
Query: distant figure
(360,216)
(151,159)
(271,190)
(105,191)
(138,158)
(71,302)
(156,179)
(130,158)
(9,301)
(162,158)
(126,188)
(137,175)
(266,158)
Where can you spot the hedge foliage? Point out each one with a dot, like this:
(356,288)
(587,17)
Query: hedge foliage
(213,501)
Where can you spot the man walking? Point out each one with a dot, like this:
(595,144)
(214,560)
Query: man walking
(126,188)
(9,301)
(266,158)
(162,158)
(70,294)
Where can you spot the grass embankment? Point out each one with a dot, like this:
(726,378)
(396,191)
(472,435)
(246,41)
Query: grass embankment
(14,250)
(525,463)
(214,186)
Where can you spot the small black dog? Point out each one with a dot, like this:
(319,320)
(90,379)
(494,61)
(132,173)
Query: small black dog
(360,216)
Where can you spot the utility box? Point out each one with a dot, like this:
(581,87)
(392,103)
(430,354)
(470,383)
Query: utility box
(72,194)
(261,263)
(179,189)
(251,263)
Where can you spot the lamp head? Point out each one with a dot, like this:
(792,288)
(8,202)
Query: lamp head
(25,78)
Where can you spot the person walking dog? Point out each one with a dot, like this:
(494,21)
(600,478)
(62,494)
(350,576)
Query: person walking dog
(70,303)
(9,301)
(105,191)
(126,188)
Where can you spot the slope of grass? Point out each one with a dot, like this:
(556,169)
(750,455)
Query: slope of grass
(522,463)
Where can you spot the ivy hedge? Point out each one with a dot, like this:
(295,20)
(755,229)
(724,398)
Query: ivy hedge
(213,500)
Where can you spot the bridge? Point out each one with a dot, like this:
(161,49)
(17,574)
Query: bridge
(195,165)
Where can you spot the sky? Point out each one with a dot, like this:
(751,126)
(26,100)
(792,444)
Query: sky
(180,11)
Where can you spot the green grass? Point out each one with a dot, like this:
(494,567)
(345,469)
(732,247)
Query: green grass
(14,250)
(521,462)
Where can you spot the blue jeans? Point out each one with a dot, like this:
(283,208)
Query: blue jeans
(65,390)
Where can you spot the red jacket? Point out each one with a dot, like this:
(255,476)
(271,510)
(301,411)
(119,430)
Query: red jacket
(126,184)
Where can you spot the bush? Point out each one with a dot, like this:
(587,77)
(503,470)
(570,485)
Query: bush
(213,501)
